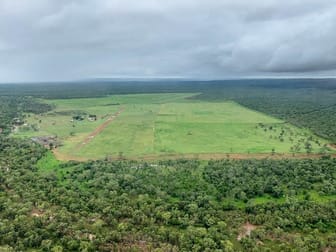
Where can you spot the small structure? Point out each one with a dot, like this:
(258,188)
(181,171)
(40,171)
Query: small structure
(17,122)
(78,118)
(92,118)
(47,141)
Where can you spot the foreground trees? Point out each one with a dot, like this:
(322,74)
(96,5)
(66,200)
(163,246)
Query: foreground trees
(170,206)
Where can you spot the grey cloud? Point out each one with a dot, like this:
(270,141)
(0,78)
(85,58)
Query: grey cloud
(70,39)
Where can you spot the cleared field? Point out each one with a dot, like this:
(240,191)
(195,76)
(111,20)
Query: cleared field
(165,124)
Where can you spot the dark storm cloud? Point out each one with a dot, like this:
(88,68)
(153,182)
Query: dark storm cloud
(69,39)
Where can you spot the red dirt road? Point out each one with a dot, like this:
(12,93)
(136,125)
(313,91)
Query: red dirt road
(99,129)
(203,156)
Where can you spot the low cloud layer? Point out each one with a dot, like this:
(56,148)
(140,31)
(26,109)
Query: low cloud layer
(78,39)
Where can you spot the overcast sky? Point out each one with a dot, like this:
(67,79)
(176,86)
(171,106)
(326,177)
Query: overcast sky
(79,39)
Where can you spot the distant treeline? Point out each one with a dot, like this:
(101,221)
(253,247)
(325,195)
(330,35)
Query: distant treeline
(97,88)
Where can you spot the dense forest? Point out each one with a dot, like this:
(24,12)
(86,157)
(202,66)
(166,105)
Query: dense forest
(165,206)
(181,205)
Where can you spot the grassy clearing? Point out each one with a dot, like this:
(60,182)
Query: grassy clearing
(164,124)
(48,163)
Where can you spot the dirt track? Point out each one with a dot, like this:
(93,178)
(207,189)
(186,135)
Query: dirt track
(67,157)
(89,138)
(99,129)
(204,156)
(235,156)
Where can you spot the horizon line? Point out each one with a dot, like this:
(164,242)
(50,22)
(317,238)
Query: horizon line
(168,78)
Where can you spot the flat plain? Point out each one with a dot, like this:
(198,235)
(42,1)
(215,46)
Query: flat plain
(174,124)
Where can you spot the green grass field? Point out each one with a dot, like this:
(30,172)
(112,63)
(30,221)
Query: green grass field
(166,124)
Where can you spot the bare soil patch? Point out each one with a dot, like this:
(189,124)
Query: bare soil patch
(246,230)
(36,213)
(332,146)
